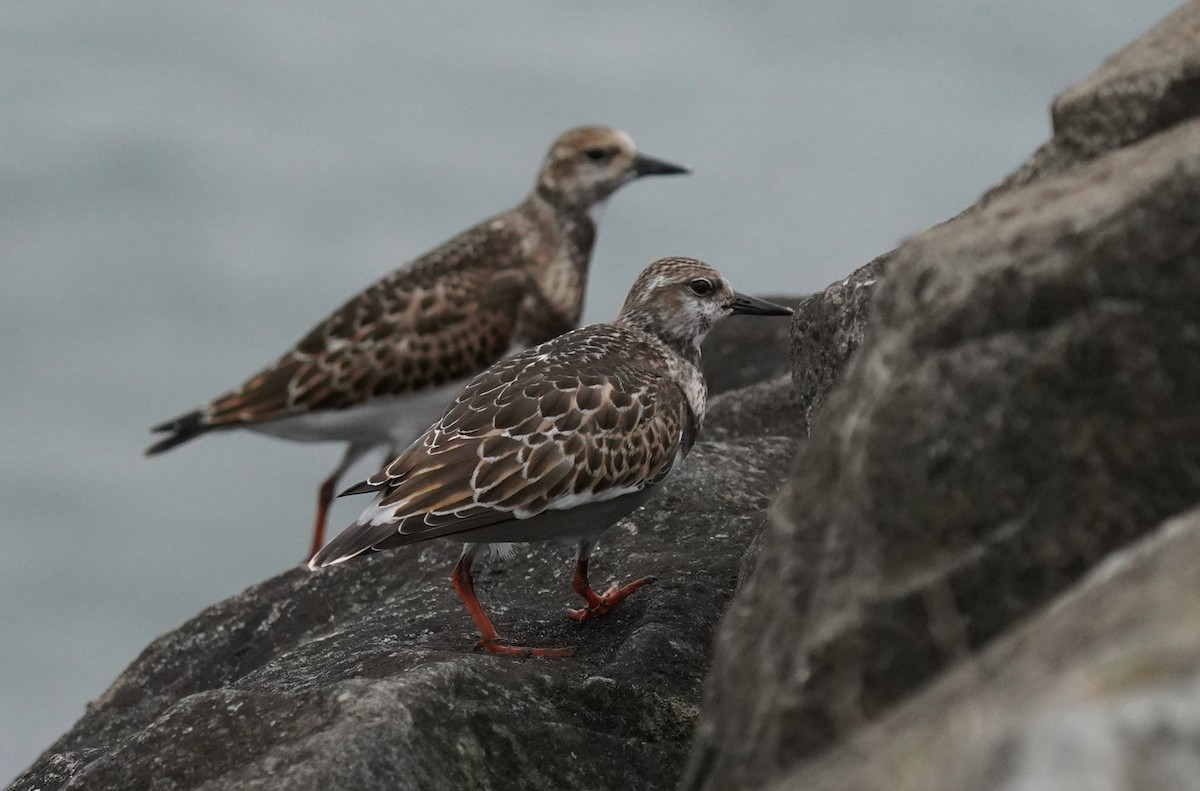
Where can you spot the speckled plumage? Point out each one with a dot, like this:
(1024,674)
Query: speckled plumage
(559,441)
(587,414)
(513,280)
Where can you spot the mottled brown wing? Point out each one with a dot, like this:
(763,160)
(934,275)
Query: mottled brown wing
(584,418)
(443,317)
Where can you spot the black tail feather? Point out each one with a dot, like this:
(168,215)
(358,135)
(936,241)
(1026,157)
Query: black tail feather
(363,487)
(182,429)
(351,542)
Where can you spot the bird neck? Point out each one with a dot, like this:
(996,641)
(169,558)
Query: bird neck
(682,339)
(681,357)
(574,199)
(558,251)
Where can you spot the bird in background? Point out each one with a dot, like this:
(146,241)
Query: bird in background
(557,442)
(377,370)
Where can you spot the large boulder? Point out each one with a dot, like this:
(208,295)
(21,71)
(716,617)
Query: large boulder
(362,676)
(1022,402)
(1102,692)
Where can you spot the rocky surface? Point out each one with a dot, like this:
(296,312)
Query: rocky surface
(362,676)
(1146,88)
(1100,692)
(827,329)
(1021,404)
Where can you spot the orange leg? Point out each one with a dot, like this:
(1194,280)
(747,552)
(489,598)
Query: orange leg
(596,604)
(326,492)
(465,585)
(324,498)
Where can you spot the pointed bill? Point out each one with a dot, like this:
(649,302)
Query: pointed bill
(649,166)
(753,306)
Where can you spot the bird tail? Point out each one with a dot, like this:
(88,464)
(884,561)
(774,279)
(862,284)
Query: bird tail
(182,429)
(350,543)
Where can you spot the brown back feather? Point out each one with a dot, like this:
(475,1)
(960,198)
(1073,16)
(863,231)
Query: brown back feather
(488,459)
(439,319)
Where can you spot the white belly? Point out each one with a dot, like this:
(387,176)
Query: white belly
(572,524)
(381,421)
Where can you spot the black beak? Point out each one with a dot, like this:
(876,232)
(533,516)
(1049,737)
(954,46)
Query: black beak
(753,306)
(649,166)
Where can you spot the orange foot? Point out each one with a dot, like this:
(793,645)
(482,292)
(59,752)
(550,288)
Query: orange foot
(599,605)
(495,646)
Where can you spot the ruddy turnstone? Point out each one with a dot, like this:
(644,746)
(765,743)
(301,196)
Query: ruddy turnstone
(375,372)
(559,441)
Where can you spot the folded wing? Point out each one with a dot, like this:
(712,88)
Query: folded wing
(570,422)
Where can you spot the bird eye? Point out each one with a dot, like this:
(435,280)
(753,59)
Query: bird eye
(596,154)
(701,287)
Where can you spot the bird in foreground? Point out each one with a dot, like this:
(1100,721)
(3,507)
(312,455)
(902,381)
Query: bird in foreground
(559,441)
(378,369)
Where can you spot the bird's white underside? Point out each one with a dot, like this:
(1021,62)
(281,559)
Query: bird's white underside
(380,422)
(374,515)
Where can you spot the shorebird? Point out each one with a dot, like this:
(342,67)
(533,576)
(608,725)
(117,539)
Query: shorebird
(558,442)
(375,371)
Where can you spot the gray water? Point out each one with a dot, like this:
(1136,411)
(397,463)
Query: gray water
(185,188)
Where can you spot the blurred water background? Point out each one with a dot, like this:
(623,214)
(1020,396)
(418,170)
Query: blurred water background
(186,188)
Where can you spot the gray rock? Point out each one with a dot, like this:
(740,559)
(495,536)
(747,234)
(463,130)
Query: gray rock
(1100,692)
(827,329)
(1022,404)
(1146,88)
(362,676)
